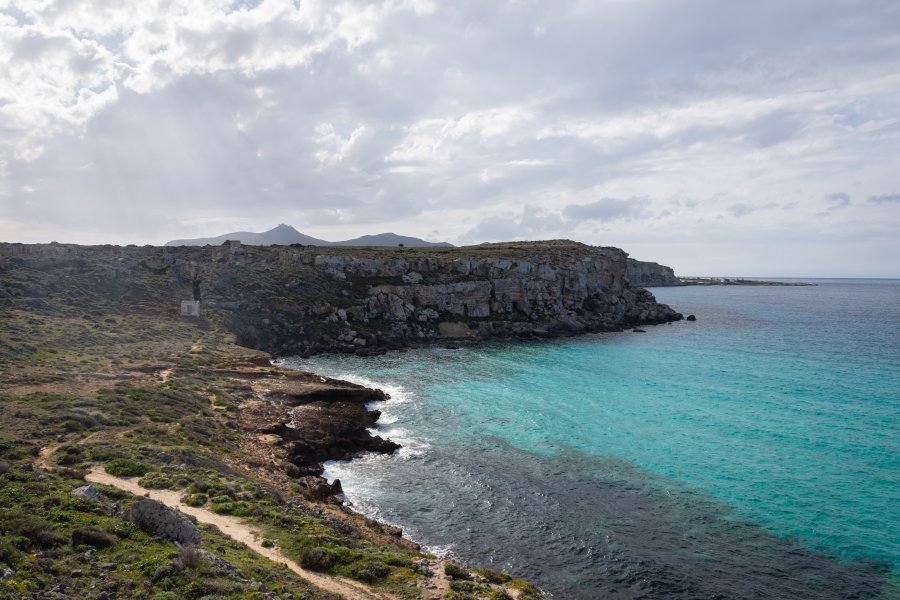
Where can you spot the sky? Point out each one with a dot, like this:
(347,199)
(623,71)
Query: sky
(719,137)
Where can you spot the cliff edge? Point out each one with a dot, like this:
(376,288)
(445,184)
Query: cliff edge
(307,299)
(650,274)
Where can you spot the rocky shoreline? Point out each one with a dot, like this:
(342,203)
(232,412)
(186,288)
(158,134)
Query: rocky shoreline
(687,281)
(305,300)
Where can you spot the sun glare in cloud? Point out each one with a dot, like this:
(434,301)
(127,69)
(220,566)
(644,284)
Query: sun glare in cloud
(652,125)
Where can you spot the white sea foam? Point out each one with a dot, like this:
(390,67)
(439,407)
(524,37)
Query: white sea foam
(391,412)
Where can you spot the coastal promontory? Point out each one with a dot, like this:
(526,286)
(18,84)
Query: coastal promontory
(307,299)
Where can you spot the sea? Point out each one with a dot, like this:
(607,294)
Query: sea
(753,453)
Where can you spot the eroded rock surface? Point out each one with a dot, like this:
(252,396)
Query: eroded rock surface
(157,518)
(315,419)
(307,299)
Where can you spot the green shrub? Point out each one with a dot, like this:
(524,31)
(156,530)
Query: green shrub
(27,532)
(125,467)
(315,558)
(493,575)
(195,499)
(154,480)
(91,536)
(369,570)
(70,456)
(459,585)
(238,508)
(9,553)
(454,571)
(526,590)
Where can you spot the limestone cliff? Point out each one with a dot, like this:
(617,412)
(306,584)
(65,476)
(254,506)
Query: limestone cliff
(304,299)
(650,274)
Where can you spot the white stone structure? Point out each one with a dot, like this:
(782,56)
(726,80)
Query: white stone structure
(190,308)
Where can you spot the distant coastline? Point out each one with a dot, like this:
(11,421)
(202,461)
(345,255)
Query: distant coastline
(685,281)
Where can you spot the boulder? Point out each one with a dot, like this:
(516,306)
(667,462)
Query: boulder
(157,518)
(88,492)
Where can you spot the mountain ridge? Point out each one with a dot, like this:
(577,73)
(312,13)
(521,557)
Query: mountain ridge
(285,235)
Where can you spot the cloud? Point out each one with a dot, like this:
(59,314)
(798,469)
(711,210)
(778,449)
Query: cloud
(608,209)
(885,198)
(125,122)
(838,200)
(743,208)
(529,224)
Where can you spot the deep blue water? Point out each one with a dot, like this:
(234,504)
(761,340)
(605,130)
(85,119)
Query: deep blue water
(754,453)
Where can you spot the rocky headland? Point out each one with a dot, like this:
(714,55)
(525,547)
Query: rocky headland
(307,299)
(102,381)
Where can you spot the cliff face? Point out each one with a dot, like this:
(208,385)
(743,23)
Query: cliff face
(290,299)
(513,289)
(650,274)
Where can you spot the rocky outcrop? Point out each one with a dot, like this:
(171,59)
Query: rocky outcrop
(316,419)
(157,518)
(501,290)
(305,299)
(650,274)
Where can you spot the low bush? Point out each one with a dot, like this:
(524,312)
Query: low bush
(369,570)
(125,467)
(493,575)
(154,480)
(454,571)
(195,499)
(315,558)
(459,585)
(72,455)
(189,557)
(91,536)
(238,508)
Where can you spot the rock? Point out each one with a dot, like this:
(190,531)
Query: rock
(691,318)
(155,517)
(6,573)
(88,492)
(454,330)
(217,561)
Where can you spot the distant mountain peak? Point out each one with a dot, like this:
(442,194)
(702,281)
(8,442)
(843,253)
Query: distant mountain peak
(283,234)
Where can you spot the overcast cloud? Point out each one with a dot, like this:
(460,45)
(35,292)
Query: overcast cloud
(746,138)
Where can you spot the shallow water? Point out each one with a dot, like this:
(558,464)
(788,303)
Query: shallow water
(751,454)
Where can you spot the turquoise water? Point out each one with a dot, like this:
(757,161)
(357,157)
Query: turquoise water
(752,453)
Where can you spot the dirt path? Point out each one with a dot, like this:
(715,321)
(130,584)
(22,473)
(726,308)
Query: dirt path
(43,457)
(236,529)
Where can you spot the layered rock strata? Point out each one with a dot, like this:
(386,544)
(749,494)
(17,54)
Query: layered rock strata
(306,299)
(650,274)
